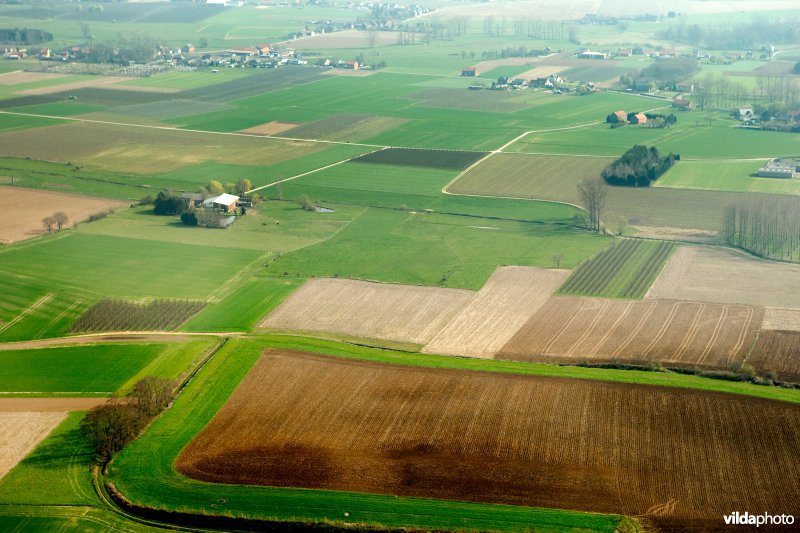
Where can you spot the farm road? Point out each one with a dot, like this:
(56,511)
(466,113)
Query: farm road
(116,337)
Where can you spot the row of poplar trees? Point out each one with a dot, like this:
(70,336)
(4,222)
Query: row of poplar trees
(765,227)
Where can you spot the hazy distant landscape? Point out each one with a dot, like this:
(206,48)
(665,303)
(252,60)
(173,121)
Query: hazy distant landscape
(468,266)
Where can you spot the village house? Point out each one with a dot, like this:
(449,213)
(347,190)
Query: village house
(639,118)
(743,113)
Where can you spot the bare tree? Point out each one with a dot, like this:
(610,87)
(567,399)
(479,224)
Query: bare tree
(593,193)
(557,258)
(372,37)
(61,218)
(49,222)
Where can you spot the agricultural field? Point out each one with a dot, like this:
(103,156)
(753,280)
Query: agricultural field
(725,276)
(777,353)
(442,159)
(406,431)
(737,176)
(672,333)
(781,319)
(434,249)
(347,127)
(25,223)
(500,308)
(373,310)
(625,270)
(20,433)
(120,315)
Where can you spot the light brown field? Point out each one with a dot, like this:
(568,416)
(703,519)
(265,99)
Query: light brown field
(270,128)
(31,206)
(686,334)
(715,275)
(19,77)
(510,297)
(403,313)
(781,319)
(144,150)
(48,405)
(680,457)
(779,352)
(540,72)
(20,433)
(90,81)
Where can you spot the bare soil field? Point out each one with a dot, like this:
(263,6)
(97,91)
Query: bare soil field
(781,319)
(779,352)
(403,313)
(26,221)
(715,275)
(90,81)
(20,433)
(540,72)
(510,297)
(686,334)
(684,457)
(48,405)
(270,128)
(20,76)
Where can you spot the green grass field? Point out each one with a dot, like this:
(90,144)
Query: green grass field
(88,370)
(737,176)
(242,309)
(121,266)
(433,249)
(625,270)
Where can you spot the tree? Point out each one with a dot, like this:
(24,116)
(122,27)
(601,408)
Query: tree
(61,218)
(305,202)
(202,42)
(214,187)
(189,218)
(49,222)
(557,258)
(109,427)
(169,204)
(372,37)
(151,395)
(593,194)
(242,186)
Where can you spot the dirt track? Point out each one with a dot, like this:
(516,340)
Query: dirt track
(48,405)
(682,456)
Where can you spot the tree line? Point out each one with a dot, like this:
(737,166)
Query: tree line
(24,36)
(728,36)
(638,167)
(769,227)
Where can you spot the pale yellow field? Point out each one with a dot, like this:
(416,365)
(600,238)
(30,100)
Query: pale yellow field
(270,128)
(510,297)
(403,313)
(20,433)
(19,77)
(715,275)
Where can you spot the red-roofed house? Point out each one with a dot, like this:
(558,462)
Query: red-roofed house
(622,116)
(639,118)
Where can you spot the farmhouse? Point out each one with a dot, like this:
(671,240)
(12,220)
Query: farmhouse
(622,116)
(744,113)
(224,202)
(469,72)
(588,54)
(780,168)
(639,118)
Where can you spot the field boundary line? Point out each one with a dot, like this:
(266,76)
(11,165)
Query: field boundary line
(28,310)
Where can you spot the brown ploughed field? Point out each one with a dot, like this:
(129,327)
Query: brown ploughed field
(778,351)
(689,334)
(678,457)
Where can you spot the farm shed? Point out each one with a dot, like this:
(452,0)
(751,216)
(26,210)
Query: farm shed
(638,118)
(224,202)
(588,54)
(622,116)
(469,72)
(779,168)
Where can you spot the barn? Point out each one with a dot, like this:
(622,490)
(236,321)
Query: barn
(224,202)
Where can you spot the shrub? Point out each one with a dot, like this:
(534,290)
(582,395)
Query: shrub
(189,218)
(305,202)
